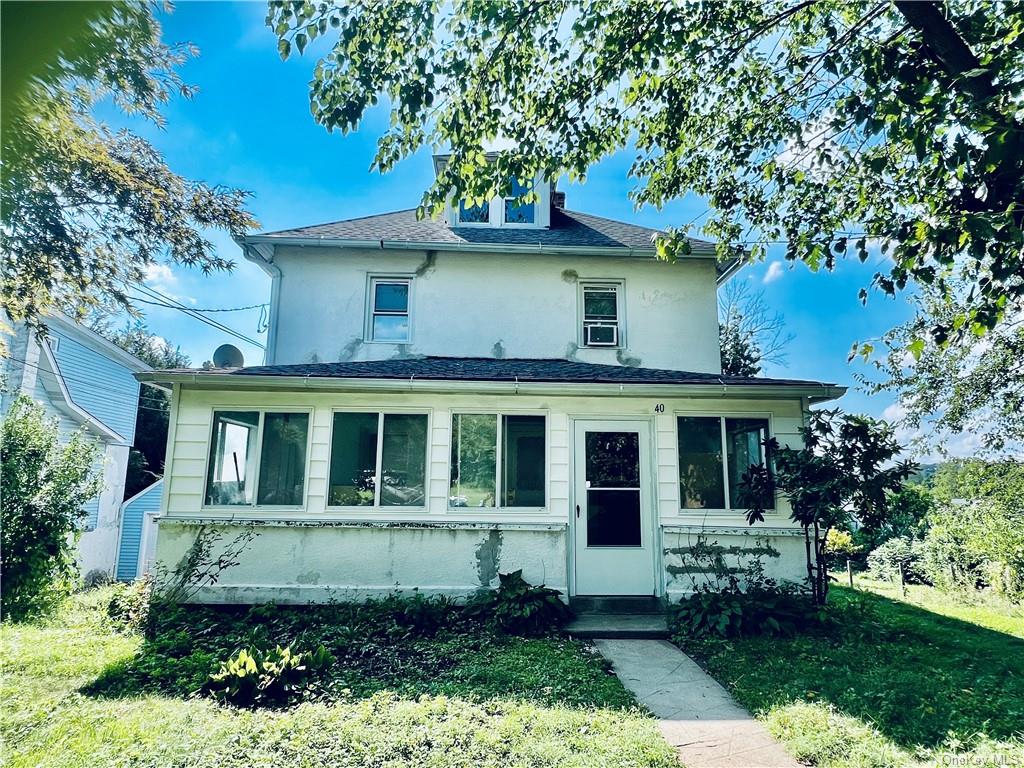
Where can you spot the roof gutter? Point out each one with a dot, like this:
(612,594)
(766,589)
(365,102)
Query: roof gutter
(815,393)
(409,245)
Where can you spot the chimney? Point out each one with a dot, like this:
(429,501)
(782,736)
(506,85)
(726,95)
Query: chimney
(557,199)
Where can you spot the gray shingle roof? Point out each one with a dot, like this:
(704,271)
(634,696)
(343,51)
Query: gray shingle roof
(491,369)
(568,228)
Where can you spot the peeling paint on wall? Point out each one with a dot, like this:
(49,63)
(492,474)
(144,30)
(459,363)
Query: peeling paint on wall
(314,358)
(350,349)
(624,358)
(488,557)
(405,352)
(570,275)
(570,352)
(310,577)
(498,350)
(429,264)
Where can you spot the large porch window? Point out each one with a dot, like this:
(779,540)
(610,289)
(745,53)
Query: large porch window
(378,460)
(257,457)
(714,453)
(483,444)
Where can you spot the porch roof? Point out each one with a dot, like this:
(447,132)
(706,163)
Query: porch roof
(515,371)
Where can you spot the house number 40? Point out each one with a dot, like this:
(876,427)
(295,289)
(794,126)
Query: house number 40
(659,408)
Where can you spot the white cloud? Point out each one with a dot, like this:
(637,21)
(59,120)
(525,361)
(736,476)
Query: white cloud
(161,277)
(775,271)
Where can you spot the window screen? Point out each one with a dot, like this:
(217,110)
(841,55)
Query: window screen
(390,311)
(701,475)
(283,459)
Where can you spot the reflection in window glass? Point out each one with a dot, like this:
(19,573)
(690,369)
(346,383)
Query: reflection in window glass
(283,459)
(744,440)
(523,460)
(599,303)
(613,459)
(232,465)
(518,212)
(701,483)
(353,460)
(474,214)
(474,460)
(403,460)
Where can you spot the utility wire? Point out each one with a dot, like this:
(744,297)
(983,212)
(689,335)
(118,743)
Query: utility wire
(160,299)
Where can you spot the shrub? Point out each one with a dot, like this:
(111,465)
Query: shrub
(42,489)
(518,608)
(768,609)
(886,560)
(256,678)
(129,604)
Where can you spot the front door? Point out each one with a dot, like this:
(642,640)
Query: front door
(614,535)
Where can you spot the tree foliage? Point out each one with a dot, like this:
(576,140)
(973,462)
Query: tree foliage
(42,489)
(831,126)
(749,333)
(84,211)
(845,471)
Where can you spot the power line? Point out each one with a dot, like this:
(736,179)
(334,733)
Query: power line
(172,303)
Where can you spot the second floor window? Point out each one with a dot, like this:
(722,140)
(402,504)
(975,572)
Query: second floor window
(518,211)
(389,309)
(474,214)
(602,322)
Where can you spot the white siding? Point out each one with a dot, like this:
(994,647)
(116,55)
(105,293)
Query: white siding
(289,540)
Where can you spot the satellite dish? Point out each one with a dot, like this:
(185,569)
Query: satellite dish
(228,356)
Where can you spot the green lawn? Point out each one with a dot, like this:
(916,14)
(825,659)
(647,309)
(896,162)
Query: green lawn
(77,692)
(894,683)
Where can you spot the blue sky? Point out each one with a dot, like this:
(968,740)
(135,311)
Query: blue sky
(249,126)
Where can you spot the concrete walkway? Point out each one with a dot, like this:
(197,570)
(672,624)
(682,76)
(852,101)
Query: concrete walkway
(697,716)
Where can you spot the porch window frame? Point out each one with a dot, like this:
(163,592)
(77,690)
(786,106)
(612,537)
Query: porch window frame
(377,507)
(499,456)
(372,279)
(254,506)
(619,285)
(729,509)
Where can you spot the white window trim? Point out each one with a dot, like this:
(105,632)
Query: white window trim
(620,306)
(254,506)
(371,280)
(721,416)
(355,509)
(498,457)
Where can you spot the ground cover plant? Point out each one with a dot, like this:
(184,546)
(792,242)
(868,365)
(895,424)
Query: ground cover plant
(884,683)
(412,683)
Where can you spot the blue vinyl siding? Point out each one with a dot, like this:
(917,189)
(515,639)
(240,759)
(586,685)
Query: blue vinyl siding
(92,514)
(98,384)
(132,515)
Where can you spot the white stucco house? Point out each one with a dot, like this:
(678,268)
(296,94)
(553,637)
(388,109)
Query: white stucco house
(85,382)
(509,386)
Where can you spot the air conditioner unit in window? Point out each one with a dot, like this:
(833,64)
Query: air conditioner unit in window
(601,335)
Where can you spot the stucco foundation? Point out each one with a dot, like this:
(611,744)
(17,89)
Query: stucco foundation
(321,562)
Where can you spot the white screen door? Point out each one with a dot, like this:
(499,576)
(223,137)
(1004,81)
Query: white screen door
(614,538)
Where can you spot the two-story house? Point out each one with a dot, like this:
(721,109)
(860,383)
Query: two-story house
(513,385)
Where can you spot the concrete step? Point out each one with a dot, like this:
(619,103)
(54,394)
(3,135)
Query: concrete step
(619,626)
(618,604)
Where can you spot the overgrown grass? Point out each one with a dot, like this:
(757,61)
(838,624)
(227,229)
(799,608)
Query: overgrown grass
(77,692)
(890,684)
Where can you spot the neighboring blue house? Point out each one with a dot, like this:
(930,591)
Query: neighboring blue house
(85,382)
(138,532)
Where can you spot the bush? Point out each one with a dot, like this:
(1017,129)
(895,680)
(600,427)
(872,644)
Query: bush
(886,560)
(518,608)
(129,605)
(767,609)
(43,487)
(275,678)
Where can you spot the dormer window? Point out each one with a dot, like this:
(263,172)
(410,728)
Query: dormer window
(519,212)
(474,214)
